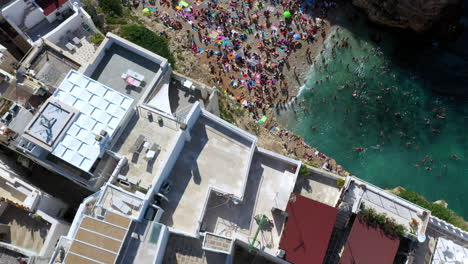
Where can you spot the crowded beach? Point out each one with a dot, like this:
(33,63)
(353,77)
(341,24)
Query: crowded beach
(257,52)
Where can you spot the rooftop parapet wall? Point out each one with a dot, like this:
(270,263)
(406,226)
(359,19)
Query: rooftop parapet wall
(58,228)
(216,156)
(448,230)
(18,191)
(114,39)
(25,16)
(70,24)
(405,215)
(244,134)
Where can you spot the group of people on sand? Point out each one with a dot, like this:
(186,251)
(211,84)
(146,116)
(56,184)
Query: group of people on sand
(247,46)
(248,43)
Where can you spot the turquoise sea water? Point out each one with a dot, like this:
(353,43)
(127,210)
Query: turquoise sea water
(387,116)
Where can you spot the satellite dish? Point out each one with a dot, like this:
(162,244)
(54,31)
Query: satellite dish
(421,238)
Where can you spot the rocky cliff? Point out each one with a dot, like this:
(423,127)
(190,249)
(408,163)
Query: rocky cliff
(417,15)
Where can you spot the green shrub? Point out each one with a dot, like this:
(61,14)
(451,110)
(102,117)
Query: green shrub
(37,217)
(387,224)
(113,7)
(91,10)
(180,58)
(96,39)
(147,39)
(115,20)
(6,106)
(436,209)
(226,115)
(340,182)
(303,170)
(314,164)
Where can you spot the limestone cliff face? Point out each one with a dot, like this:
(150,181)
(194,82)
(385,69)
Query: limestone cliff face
(417,15)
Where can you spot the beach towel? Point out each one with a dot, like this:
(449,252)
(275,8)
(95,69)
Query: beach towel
(262,120)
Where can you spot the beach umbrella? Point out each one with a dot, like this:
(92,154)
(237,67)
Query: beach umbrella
(146,12)
(297,36)
(184,4)
(262,120)
(287,14)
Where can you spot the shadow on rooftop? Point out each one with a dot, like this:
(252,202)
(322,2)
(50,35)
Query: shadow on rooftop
(186,168)
(180,248)
(181,97)
(303,182)
(24,229)
(128,128)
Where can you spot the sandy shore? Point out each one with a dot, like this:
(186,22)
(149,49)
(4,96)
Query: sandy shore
(299,61)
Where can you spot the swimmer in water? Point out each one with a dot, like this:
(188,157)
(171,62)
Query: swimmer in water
(376,147)
(359,149)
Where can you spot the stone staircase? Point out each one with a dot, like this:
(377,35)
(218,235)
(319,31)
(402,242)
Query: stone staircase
(343,216)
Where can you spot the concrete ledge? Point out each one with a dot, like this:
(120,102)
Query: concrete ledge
(324,173)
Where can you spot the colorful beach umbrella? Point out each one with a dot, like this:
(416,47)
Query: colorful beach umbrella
(184,4)
(297,36)
(146,12)
(287,14)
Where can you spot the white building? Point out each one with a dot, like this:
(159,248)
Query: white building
(46,19)
(176,160)
(30,219)
(75,126)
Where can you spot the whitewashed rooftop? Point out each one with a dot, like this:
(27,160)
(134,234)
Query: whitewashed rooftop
(395,207)
(48,125)
(448,252)
(100,108)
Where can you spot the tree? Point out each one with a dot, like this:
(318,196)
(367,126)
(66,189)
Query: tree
(111,7)
(148,39)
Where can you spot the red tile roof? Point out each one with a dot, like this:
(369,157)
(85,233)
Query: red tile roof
(50,6)
(308,229)
(368,245)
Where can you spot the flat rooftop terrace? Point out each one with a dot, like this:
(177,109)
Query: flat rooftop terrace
(181,97)
(21,94)
(318,187)
(215,157)
(51,67)
(10,192)
(383,202)
(163,134)
(118,60)
(181,249)
(25,231)
(268,179)
(43,28)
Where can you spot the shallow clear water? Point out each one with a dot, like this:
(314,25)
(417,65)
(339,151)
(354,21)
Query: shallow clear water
(386,117)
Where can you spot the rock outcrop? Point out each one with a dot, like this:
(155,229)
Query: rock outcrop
(417,15)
